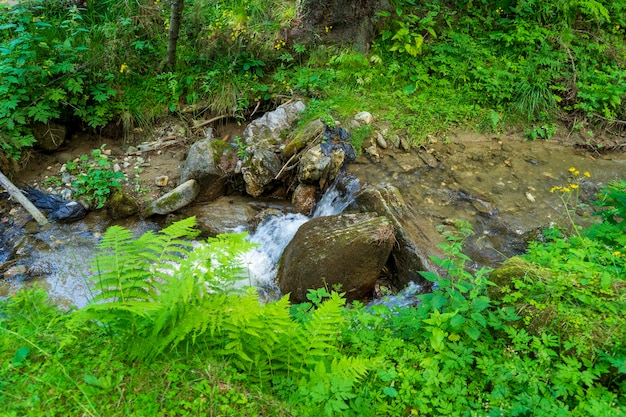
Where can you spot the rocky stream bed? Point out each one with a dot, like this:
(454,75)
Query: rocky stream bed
(394,198)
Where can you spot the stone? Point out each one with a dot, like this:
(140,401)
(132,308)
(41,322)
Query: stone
(121,205)
(355,124)
(317,168)
(302,138)
(203,165)
(179,197)
(49,136)
(380,141)
(224,215)
(364,117)
(303,199)
(416,238)
(270,126)
(404,144)
(372,152)
(346,250)
(260,170)
(162,180)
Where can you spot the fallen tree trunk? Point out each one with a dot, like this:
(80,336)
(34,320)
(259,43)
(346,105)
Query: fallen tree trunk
(20,198)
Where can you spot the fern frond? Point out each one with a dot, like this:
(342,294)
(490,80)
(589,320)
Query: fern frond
(317,338)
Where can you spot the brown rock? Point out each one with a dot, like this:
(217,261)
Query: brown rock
(348,250)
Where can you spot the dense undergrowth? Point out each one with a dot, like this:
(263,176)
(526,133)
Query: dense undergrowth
(433,65)
(171,331)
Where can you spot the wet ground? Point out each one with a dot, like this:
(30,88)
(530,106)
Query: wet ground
(500,185)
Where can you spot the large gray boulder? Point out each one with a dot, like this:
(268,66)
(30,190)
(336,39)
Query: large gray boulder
(268,128)
(203,165)
(349,250)
(177,198)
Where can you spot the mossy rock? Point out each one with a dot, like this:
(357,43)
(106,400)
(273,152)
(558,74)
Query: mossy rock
(120,205)
(503,277)
(303,137)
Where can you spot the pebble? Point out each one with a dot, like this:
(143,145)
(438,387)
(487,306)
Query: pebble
(116,168)
(162,180)
(364,117)
(404,144)
(380,141)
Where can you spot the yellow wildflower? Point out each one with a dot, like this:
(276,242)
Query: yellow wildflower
(572,169)
(587,174)
(573,186)
(566,190)
(123,68)
(617,253)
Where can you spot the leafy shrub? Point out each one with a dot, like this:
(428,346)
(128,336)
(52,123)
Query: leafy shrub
(95,177)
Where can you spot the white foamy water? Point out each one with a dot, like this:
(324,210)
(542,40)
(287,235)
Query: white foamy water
(274,235)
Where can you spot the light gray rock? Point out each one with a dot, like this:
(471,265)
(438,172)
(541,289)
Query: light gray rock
(177,198)
(364,117)
(202,165)
(269,126)
(380,141)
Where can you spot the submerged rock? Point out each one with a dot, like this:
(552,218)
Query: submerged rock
(348,250)
(226,214)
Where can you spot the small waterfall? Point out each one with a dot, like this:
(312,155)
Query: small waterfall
(274,235)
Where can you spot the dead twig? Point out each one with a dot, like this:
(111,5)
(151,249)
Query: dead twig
(208,122)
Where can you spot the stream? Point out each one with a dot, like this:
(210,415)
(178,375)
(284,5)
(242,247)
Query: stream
(500,186)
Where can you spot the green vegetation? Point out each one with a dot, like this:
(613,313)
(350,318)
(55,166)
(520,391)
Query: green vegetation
(171,332)
(433,65)
(95,177)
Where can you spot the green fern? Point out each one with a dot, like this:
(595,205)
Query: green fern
(158,290)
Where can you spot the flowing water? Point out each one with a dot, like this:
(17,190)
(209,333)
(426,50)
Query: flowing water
(274,234)
(57,257)
(501,187)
